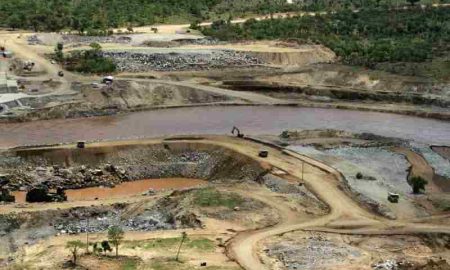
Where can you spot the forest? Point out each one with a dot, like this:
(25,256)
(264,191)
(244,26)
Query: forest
(366,37)
(84,16)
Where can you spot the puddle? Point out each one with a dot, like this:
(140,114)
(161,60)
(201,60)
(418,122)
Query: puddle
(124,189)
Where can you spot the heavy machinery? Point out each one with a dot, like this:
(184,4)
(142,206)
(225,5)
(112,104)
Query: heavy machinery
(237,132)
(393,197)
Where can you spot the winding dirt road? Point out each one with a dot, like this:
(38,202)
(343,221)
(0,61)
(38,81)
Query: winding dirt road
(345,216)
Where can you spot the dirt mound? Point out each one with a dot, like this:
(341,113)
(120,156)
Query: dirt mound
(310,54)
(134,94)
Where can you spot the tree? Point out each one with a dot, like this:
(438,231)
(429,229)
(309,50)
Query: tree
(95,46)
(418,184)
(74,247)
(115,236)
(59,55)
(183,238)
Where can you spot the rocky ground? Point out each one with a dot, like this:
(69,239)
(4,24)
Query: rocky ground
(166,211)
(311,250)
(380,167)
(173,61)
(295,192)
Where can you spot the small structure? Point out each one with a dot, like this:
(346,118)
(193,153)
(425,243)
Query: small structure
(393,197)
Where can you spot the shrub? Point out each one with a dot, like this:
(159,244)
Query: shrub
(418,184)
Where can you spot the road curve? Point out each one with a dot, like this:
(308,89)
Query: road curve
(322,180)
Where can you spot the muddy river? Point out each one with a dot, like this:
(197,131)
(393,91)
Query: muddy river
(220,120)
(124,189)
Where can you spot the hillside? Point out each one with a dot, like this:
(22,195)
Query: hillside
(375,38)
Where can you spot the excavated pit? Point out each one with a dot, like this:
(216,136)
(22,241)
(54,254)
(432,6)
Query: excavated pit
(108,166)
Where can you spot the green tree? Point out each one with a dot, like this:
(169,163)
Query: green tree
(74,247)
(96,47)
(115,236)
(418,184)
(59,55)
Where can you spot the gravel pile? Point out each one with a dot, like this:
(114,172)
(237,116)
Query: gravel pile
(70,39)
(140,61)
(97,39)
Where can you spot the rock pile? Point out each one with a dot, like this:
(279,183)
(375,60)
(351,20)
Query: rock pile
(149,220)
(73,39)
(140,62)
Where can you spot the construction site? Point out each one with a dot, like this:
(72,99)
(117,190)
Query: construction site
(216,155)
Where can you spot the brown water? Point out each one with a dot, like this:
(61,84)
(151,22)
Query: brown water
(220,120)
(124,189)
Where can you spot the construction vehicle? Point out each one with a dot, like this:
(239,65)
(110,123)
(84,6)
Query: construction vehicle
(237,132)
(263,153)
(108,80)
(81,145)
(393,197)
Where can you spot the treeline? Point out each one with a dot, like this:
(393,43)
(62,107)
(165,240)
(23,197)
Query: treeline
(85,15)
(100,15)
(363,38)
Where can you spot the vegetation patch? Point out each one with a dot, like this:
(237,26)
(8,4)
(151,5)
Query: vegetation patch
(95,17)
(170,264)
(210,197)
(367,37)
(89,61)
(198,244)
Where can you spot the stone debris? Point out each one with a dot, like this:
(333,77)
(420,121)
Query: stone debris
(72,39)
(386,265)
(141,61)
(312,252)
(149,220)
